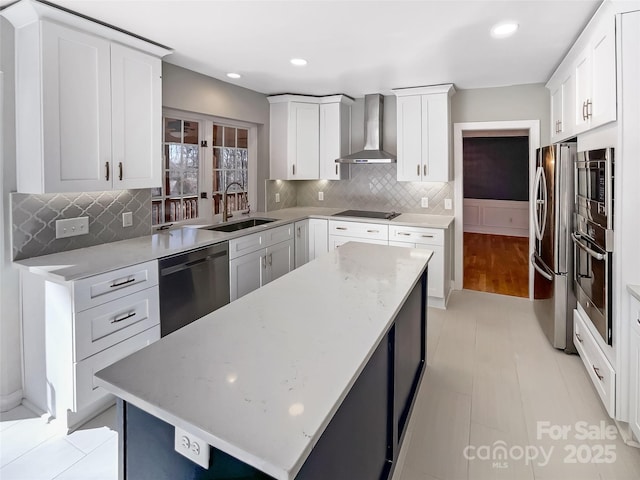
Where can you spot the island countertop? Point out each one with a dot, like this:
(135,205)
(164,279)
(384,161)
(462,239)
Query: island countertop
(261,378)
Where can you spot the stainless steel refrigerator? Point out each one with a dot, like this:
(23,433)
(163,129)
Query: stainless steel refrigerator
(554,298)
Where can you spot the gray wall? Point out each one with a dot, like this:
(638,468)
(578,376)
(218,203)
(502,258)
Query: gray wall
(518,102)
(10,354)
(184,89)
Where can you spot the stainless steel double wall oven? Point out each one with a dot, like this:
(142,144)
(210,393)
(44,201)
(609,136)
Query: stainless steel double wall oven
(593,237)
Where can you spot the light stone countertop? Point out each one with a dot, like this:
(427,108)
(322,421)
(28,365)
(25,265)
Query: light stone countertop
(634,290)
(85,262)
(262,377)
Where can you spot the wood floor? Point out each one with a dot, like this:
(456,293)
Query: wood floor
(496,264)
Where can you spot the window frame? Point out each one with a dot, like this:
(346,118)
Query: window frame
(205,170)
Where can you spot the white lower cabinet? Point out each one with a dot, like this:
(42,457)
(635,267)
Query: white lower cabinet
(600,371)
(73,329)
(634,363)
(302,242)
(435,239)
(312,239)
(259,258)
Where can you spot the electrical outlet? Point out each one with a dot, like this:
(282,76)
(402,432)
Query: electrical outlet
(192,447)
(127,219)
(424,203)
(321,196)
(448,204)
(277,198)
(70,227)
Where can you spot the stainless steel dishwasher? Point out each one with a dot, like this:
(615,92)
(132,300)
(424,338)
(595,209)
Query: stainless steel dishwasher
(192,284)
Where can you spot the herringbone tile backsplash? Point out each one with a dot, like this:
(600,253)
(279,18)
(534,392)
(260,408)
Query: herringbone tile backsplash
(371,187)
(34,219)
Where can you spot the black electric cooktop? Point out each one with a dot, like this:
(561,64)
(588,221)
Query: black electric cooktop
(367,214)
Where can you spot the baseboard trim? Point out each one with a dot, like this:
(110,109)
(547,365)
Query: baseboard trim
(487,230)
(7,402)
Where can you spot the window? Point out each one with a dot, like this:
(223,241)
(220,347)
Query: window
(202,155)
(177,200)
(230,164)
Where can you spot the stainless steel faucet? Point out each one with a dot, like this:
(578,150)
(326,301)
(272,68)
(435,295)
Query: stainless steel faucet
(225,213)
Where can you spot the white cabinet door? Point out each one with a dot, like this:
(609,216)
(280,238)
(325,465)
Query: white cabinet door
(435,138)
(435,283)
(335,139)
(136,91)
(280,260)
(318,237)
(634,417)
(304,141)
(603,76)
(556,112)
(247,273)
(301,242)
(583,90)
(76,113)
(409,138)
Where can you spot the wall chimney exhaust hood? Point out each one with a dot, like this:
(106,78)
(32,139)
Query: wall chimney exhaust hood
(373,152)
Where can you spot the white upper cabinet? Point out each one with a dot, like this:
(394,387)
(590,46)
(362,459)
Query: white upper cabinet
(424,133)
(88,107)
(583,88)
(562,88)
(307,134)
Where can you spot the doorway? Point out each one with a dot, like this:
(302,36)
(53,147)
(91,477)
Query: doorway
(492,254)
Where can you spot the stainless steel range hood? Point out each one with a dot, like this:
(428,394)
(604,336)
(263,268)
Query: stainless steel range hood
(373,152)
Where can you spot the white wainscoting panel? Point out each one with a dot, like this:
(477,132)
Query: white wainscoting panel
(496,217)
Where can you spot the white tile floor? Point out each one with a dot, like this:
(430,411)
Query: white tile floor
(491,377)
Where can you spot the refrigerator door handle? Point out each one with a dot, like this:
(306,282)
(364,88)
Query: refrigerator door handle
(545,274)
(540,203)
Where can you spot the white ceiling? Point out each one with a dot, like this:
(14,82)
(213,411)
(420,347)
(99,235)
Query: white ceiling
(353,47)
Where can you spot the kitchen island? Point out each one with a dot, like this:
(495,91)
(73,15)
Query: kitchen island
(312,376)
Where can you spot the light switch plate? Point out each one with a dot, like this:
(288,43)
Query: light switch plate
(277,198)
(70,227)
(192,447)
(448,204)
(127,219)
(424,202)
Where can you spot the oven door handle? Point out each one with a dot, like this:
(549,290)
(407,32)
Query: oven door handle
(576,239)
(545,274)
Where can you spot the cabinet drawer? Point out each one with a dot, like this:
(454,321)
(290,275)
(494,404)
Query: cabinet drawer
(247,244)
(375,231)
(598,367)
(99,289)
(101,327)
(86,391)
(425,236)
(279,234)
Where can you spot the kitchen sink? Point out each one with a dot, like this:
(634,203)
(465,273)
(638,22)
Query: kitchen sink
(235,226)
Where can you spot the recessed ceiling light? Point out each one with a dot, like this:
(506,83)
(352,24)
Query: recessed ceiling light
(233,75)
(298,62)
(504,29)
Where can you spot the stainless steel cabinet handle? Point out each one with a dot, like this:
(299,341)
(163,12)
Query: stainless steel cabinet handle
(597,370)
(576,239)
(589,108)
(404,233)
(124,317)
(341,228)
(270,259)
(418,170)
(424,170)
(294,169)
(373,231)
(298,232)
(120,169)
(426,236)
(579,338)
(107,175)
(264,262)
(584,110)
(129,280)
(336,168)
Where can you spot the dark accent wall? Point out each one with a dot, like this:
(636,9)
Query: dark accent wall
(496,168)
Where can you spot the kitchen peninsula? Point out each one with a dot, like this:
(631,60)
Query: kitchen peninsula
(312,376)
